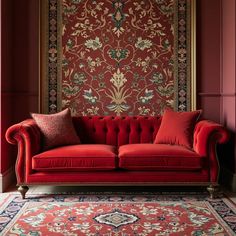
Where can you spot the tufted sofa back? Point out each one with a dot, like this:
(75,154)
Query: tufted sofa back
(117,130)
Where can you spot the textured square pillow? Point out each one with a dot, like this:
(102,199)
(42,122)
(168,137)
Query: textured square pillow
(57,129)
(177,128)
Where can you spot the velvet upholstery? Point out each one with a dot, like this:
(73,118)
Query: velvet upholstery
(123,135)
(206,135)
(76,158)
(181,131)
(117,131)
(159,157)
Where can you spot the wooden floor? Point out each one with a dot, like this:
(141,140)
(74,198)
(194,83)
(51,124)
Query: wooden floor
(97,189)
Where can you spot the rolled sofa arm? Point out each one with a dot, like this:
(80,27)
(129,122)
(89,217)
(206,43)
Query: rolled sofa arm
(207,134)
(27,136)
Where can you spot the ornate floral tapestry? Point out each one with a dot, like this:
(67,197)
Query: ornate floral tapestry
(116,57)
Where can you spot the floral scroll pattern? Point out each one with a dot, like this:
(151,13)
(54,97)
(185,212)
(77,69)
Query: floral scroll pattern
(118,57)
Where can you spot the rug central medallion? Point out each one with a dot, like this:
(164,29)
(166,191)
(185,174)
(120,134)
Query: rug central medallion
(116,218)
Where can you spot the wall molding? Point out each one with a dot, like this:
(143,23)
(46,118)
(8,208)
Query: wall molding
(217,94)
(228,94)
(18,94)
(6,179)
(209,94)
(228,179)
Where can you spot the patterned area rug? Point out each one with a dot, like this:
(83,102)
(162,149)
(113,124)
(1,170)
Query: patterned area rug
(117,214)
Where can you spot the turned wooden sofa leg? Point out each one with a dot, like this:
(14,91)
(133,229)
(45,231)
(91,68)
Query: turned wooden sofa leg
(213,190)
(23,190)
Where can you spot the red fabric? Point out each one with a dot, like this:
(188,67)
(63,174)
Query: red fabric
(57,129)
(76,158)
(177,128)
(120,177)
(158,157)
(28,137)
(206,136)
(115,131)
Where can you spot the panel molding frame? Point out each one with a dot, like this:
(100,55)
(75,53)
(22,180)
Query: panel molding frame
(210,94)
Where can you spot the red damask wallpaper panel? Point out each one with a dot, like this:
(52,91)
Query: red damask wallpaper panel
(116,57)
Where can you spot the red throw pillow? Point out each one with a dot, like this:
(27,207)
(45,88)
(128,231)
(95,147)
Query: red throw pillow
(57,129)
(177,128)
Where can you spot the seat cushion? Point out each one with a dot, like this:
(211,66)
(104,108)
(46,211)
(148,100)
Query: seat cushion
(159,157)
(81,157)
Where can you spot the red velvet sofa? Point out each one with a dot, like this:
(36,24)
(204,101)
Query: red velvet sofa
(117,151)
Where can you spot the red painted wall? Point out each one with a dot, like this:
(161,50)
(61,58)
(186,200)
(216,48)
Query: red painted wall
(215,65)
(25,58)
(6,82)
(216,68)
(208,57)
(228,84)
(19,72)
